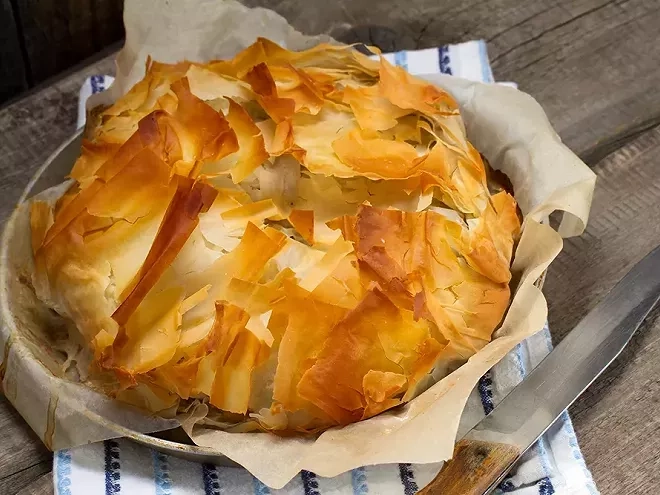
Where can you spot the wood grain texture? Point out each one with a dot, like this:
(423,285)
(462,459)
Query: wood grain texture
(32,128)
(107,22)
(60,33)
(43,485)
(592,64)
(27,479)
(473,469)
(23,457)
(617,418)
(12,70)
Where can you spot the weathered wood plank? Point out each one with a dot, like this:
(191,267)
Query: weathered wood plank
(32,128)
(59,34)
(617,418)
(12,70)
(56,35)
(593,64)
(43,485)
(22,457)
(107,22)
(26,480)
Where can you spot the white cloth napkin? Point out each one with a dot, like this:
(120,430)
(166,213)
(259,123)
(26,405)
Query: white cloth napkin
(553,466)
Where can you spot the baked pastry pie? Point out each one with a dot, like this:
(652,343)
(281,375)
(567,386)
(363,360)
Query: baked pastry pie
(296,240)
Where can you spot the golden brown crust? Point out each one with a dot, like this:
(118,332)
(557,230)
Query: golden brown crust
(297,238)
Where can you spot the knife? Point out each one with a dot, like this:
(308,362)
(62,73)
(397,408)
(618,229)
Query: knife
(483,457)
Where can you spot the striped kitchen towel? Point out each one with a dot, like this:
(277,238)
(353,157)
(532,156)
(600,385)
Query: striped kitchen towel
(553,466)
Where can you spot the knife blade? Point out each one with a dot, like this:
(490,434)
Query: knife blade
(483,457)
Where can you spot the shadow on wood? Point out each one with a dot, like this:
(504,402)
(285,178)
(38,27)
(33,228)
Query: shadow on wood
(41,38)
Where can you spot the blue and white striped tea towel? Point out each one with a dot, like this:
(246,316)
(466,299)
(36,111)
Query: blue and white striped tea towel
(553,466)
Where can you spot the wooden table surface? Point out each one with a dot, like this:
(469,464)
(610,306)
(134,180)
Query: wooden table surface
(594,65)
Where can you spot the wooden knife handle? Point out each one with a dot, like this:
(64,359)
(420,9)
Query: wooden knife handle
(475,466)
